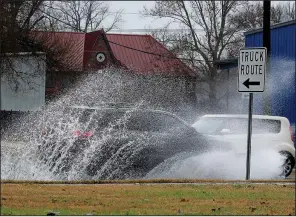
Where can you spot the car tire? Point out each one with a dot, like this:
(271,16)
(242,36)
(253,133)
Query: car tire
(289,163)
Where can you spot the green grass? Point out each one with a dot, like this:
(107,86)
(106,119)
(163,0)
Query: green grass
(143,199)
(29,211)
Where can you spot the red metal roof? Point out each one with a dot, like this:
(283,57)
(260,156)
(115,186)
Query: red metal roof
(139,53)
(136,55)
(70,45)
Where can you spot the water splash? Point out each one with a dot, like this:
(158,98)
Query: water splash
(227,165)
(109,154)
(17,163)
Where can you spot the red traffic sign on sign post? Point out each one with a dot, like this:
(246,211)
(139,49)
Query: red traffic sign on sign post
(252,69)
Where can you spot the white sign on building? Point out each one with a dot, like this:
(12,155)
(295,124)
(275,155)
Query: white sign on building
(252,69)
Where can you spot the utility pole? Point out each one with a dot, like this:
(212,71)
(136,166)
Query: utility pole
(266,43)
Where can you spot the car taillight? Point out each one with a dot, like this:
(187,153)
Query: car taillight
(292,134)
(87,134)
(77,133)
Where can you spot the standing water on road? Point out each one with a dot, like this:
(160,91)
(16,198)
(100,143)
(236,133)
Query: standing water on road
(45,145)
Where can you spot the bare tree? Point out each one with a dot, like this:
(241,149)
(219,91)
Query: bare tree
(211,31)
(282,12)
(251,16)
(174,40)
(51,17)
(17,19)
(208,45)
(81,16)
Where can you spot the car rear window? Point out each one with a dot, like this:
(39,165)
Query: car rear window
(214,125)
(153,122)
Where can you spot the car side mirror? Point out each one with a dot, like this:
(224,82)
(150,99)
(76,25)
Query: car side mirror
(225,131)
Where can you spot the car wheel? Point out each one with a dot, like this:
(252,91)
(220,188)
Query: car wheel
(288,164)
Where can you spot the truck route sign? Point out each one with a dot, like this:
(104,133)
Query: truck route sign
(252,69)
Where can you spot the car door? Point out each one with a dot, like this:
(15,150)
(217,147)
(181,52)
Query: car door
(166,136)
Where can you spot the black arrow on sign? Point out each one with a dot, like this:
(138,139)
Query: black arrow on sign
(247,83)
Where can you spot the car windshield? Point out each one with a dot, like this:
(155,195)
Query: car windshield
(130,120)
(215,125)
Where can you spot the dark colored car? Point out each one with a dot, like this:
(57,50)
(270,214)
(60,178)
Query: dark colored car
(115,143)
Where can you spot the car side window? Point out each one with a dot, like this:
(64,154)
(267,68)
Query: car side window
(259,126)
(105,119)
(237,126)
(143,121)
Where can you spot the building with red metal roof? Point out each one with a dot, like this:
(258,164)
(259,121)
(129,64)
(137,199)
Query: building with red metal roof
(68,47)
(139,54)
(142,54)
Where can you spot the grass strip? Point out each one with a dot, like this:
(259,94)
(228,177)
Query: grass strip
(166,199)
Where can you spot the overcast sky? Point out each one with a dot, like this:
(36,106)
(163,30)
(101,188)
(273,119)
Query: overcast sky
(133,20)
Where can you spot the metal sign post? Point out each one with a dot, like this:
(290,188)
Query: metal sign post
(249,136)
(251,78)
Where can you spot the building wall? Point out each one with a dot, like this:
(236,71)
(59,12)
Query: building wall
(281,77)
(22,85)
(94,43)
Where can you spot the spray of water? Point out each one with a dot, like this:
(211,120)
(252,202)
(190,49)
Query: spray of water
(17,163)
(280,89)
(109,155)
(227,165)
